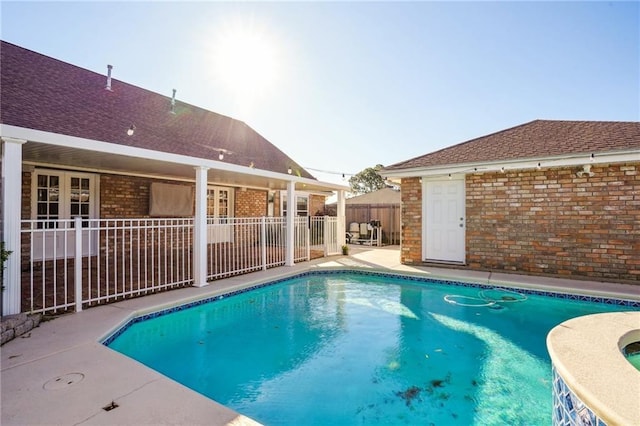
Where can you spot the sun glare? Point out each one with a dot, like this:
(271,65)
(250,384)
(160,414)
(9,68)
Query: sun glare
(246,60)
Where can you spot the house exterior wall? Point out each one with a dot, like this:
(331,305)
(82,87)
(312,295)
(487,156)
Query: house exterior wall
(128,197)
(546,222)
(250,203)
(316,205)
(411,228)
(124,196)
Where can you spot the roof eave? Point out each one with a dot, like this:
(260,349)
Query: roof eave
(107,148)
(620,156)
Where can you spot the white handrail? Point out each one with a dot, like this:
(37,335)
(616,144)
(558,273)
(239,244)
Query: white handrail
(74,264)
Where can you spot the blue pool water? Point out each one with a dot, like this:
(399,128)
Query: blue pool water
(345,349)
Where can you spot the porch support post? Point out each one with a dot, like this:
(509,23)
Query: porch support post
(200,230)
(291,214)
(11,216)
(341,213)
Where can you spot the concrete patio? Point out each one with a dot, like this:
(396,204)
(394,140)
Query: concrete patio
(59,373)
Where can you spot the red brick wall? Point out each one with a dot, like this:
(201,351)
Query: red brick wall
(548,222)
(124,196)
(128,196)
(26,196)
(316,205)
(411,196)
(250,203)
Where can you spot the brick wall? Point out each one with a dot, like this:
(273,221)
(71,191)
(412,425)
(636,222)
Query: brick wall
(411,229)
(250,203)
(26,196)
(547,222)
(124,196)
(316,205)
(128,196)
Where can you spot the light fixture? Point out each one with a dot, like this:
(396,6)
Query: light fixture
(593,157)
(502,170)
(289,170)
(449,176)
(586,170)
(539,166)
(222,152)
(131,129)
(251,165)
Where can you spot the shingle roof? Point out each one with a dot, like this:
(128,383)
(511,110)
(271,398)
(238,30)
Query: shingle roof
(536,139)
(39,92)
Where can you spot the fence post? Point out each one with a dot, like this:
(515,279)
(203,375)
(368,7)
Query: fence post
(77,263)
(263,238)
(308,237)
(325,234)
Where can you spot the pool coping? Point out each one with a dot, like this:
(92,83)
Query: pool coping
(586,352)
(71,343)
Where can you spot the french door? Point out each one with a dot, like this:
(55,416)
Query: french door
(219,211)
(62,195)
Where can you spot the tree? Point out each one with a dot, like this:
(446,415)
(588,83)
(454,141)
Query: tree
(368,180)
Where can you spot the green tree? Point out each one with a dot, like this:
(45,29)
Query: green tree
(368,180)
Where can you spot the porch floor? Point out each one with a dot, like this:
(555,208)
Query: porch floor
(59,373)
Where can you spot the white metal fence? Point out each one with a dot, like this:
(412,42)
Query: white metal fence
(122,258)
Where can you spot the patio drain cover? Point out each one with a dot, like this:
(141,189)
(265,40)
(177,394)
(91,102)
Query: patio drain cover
(63,382)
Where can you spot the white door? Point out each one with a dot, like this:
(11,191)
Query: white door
(444,225)
(219,207)
(62,195)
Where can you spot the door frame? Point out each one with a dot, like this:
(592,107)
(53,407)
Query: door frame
(90,245)
(460,257)
(220,228)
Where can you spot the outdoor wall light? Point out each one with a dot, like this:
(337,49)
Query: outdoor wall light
(539,166)
(131,129)
(502,170)
(289,170)
(586,170)
(593,158)
(221,152)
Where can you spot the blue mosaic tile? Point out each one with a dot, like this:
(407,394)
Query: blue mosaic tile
(422,280)
(569,410)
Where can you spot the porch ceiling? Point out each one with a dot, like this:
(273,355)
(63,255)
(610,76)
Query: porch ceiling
(54,156)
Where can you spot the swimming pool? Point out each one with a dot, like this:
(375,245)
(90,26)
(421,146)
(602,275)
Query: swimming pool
(364,348)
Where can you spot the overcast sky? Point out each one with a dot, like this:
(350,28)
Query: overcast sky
(342,86)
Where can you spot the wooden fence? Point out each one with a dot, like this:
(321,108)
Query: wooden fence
(387,214)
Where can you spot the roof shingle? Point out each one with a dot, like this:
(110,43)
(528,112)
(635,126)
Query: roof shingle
(536,139)
(42,93)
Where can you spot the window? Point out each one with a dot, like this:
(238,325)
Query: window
(302,204)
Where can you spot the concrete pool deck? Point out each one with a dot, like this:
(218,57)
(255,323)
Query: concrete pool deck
(60,373)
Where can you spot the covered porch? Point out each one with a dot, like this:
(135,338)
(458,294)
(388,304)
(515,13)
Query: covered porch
(124,256)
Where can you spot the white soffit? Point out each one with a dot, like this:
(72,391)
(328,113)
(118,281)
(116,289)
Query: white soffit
(524,164)
(50,149)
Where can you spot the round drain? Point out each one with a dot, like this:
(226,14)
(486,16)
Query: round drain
(63,382)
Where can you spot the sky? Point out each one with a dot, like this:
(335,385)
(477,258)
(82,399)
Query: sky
(342,86)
